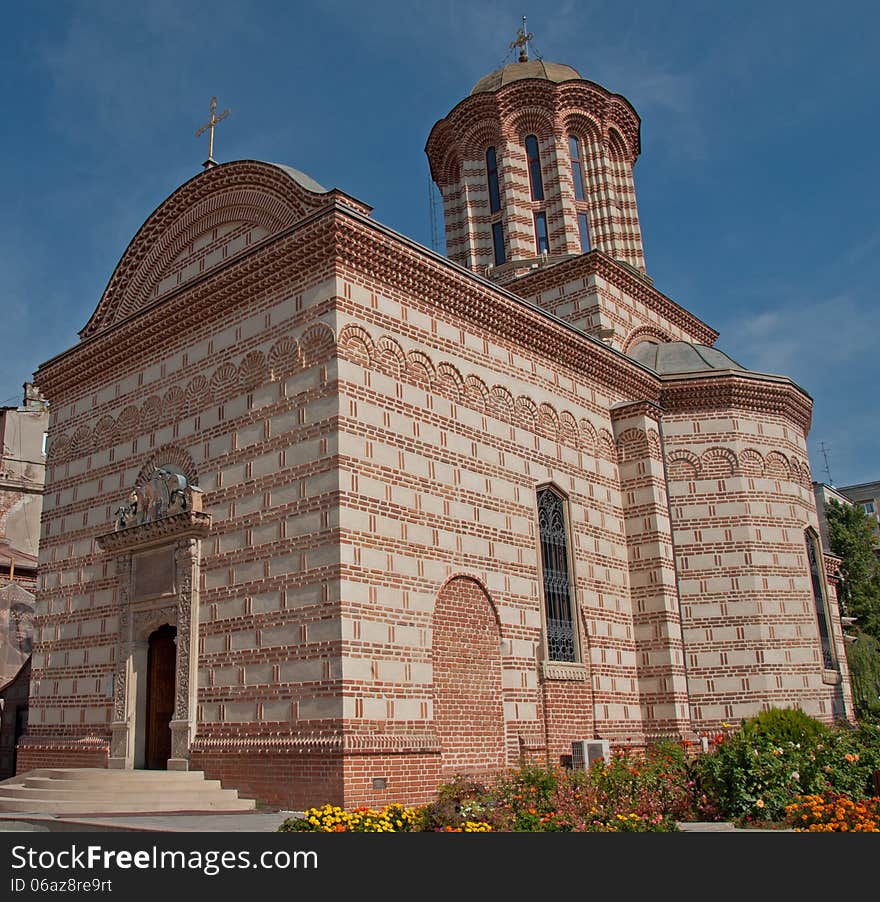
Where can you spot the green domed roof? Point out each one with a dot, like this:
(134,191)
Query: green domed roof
(555,72)
(674,357)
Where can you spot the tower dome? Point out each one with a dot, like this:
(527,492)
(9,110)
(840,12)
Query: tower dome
(535,166)
(554,72)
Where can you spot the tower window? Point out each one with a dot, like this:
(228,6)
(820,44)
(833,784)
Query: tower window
(541,239)
(577,167)
(814,559)
(492,177)
(534,159)
(556,576)
(498,242)
(584,231)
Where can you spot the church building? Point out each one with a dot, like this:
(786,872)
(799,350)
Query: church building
(332,517)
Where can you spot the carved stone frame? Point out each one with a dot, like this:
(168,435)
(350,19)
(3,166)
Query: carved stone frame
(138,618)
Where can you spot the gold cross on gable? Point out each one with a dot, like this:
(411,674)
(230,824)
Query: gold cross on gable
(522,41)
(209,126)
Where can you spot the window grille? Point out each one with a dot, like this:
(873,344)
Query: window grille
(557,582)
(819,600)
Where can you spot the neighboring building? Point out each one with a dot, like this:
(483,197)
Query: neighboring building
(332,518)
(16,634)
(867,496)
(13,718)
(22,474)
(824,493)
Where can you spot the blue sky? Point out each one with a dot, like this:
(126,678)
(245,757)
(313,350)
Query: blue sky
(757,184)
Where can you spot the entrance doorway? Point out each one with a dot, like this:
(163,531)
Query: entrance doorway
(161,666)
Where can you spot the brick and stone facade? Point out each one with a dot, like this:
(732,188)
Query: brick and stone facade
(360,598)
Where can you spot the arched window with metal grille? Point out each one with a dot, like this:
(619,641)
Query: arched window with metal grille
(814,557)
(556,572)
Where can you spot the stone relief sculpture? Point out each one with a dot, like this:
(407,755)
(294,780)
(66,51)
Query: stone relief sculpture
(164,494)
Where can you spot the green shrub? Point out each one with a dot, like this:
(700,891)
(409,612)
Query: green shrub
(781,725)
(779,755)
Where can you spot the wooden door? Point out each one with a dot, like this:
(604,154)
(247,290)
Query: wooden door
(161,665)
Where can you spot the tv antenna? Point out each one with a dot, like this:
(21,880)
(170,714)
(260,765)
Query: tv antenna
(827,467)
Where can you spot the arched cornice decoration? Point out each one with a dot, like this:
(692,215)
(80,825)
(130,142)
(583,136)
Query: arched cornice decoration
(632,444)
(224,378)
(537,121)
(527,411)
(585,126)
(776,464)
(251,192)
(605,447)
(645,333)
(568,429)
(419,367)
(173,455)
(151,412)
(548,420)
(477,391)
(316,342)
(719,462)
(616,145)
(501,400)
(682,464)
(587,435)
(479,137)
(390,355)
(356,344)
(253,370)
(751,462)
(449,379)
(285,357)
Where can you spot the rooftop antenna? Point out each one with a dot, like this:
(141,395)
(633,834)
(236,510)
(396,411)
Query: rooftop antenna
(522,41)
(209,127)
(827,467)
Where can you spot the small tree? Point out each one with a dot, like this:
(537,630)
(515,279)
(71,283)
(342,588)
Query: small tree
(852,539)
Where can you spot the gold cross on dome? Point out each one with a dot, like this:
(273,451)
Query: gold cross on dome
(209,127)
(522,41)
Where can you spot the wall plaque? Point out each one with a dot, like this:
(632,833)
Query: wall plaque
(152,573)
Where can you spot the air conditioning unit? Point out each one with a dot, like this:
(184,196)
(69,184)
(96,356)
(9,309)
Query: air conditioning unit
(585,752)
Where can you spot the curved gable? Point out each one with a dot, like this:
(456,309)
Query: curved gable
(207,221)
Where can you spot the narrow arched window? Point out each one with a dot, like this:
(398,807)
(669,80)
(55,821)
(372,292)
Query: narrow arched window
(575,149)
(556,574)
(541,239)
(577,167)
(498,243)
(583,232)
(492,178)
(534,159)
(814,558)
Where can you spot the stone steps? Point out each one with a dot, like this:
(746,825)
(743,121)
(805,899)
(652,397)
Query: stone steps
(102,791)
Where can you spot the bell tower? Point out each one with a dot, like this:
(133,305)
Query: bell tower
(535,166)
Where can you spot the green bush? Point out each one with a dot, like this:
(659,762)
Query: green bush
(781,725)
(781,754)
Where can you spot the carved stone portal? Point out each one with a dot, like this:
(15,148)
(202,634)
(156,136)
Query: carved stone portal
(157,572)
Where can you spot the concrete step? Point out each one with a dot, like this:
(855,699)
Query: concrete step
(121,806)
(98,790)
(64,791)
(91,773)
(139,786)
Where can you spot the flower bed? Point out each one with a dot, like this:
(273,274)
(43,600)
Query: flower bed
(780,768)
